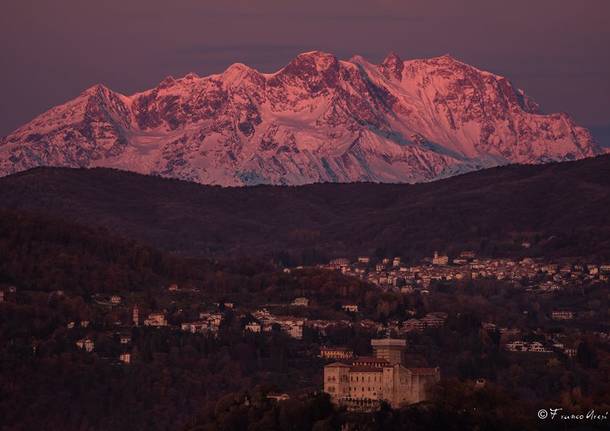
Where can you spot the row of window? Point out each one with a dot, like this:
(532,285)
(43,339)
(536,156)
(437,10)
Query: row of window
(403,380)
(362,389)
(332,389)
(363,379)
(334,379)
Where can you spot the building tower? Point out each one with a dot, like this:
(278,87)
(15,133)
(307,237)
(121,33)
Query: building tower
(390,349)
(136,315)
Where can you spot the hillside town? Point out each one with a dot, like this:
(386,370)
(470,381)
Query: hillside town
(535,275)
(108,324)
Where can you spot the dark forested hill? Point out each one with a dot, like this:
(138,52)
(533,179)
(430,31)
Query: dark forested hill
(561,209)
(48,254)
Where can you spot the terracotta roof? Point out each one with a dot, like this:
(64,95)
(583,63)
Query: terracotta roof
(362,359)
(337,364)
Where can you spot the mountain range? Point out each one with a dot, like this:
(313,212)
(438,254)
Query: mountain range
(318,119)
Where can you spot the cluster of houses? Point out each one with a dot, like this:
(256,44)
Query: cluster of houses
(430,320)
(388,274)
(510,338)
(207,323)
(547,342)
(393,274)
(265,321)
(539,347)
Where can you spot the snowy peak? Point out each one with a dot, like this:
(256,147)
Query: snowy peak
(313,60)
(392,66)
(313,71)
(317,119)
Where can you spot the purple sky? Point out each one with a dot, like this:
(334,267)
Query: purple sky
(556,50)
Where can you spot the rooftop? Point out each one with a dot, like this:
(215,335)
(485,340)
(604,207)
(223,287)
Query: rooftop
(389,342)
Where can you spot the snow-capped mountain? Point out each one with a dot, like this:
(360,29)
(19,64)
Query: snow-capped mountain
(317,119)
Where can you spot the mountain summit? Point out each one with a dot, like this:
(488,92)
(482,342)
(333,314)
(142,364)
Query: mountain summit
(318,119)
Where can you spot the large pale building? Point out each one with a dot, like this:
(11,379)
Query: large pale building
(364,382)
(390,349)
(440,259)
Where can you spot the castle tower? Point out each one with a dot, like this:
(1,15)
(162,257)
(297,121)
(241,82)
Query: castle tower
(390,349)
(136,316)
(337,381)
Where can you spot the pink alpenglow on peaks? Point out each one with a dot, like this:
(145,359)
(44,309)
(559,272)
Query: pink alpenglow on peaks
(318,119)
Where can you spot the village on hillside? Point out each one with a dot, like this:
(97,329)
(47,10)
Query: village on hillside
(555,329)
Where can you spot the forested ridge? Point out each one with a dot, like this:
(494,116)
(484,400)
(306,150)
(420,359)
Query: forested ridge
(561,209)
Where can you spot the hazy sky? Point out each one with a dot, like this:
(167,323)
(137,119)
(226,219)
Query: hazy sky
(558,51)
